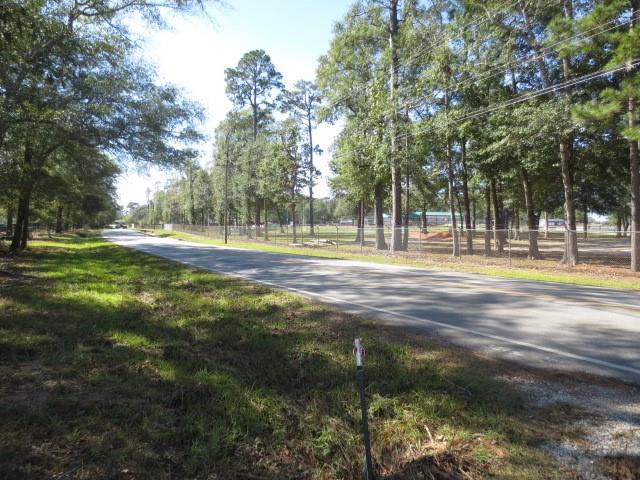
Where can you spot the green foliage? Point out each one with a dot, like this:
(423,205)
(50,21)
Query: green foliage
(71,93)
(484,92)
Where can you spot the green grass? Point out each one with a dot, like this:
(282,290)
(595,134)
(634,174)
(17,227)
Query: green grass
(577,278)
(116,364)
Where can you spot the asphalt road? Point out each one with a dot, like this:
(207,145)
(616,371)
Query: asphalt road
(540,324)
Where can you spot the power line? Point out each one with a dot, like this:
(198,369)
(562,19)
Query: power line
(501,68)
(422,50)
(551,89)
(523,98)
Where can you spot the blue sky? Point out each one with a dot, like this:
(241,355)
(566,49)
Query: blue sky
(195,50)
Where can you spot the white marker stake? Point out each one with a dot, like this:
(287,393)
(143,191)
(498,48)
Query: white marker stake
(359,351)
(357,344)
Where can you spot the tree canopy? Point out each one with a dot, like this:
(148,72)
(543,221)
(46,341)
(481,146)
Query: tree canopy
(73,100)
(492,110)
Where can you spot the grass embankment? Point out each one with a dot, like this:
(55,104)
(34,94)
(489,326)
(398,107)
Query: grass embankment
(117,364)
(594,277)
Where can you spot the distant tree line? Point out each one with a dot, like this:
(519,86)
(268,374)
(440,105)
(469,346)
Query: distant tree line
(494,110)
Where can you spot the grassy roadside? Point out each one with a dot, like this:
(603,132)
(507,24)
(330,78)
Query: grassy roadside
(576,278)
(115,364)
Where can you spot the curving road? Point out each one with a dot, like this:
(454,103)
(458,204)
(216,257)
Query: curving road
(540,324)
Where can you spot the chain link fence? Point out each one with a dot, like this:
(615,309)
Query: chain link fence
(598,248)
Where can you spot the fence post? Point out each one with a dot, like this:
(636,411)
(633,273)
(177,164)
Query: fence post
(509,244)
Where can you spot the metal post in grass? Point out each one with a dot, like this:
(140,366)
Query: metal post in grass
(359,352)
(509,244)
(337,236)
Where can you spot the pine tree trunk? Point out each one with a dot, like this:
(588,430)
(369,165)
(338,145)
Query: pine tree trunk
(566,166)
(487,222)
(460,214)
(59,219)
(625,224)
(635,191)
(396,210)
(361,224)
(25,225)
(405,236)
(266,222)
(247,218)
(452,206)
(571,240)
(293,222)
(532,219)
(378,210)
(17,231)
(359,232)
(571,244)
(280,222)
(546,225)
(498,225)
(311,172)
(396,175)
(585,223)
(473,204)
(10,213)
(21,232)
(633,163)
(192,201)
(257,217)
(465,197)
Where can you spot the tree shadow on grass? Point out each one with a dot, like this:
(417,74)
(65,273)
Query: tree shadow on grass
(140,368)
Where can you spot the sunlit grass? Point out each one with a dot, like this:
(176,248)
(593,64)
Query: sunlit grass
(577,278)
(120,361)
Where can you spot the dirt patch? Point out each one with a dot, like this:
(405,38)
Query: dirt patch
(621,467)
(601,437)
(12,276)
(444,466)
(431,236)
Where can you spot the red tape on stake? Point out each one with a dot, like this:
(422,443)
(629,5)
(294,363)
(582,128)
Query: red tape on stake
(363,352)
(358,351)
